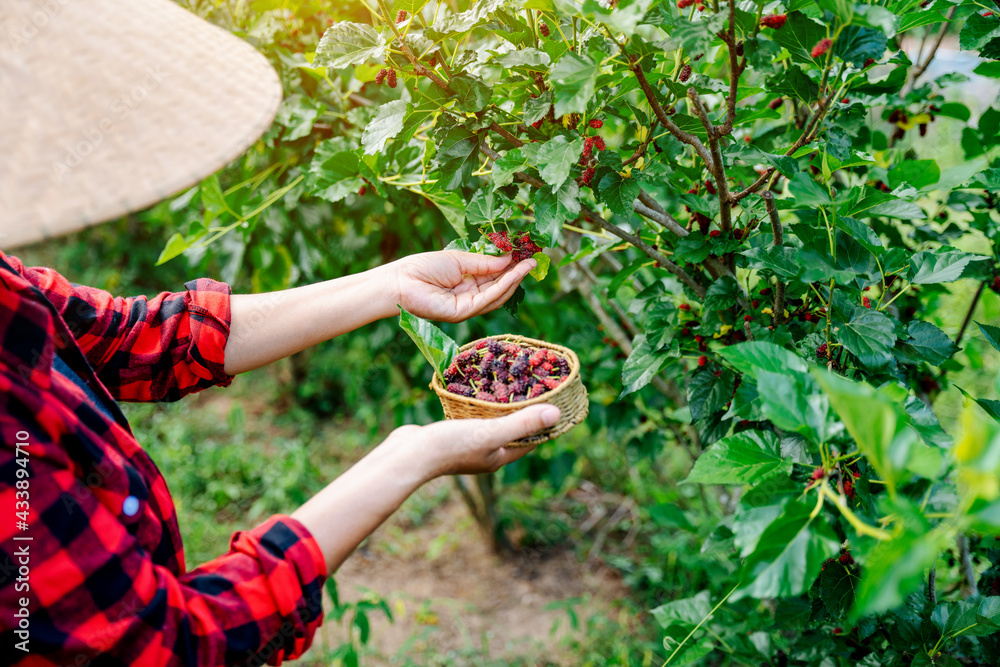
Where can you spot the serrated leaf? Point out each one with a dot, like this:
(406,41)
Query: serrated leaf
(861,233)
(555,208)
(462,22)
(721,294)
(869,335)
(925,343)
(799,36)
(345,44)
(941,265)
(708,393)
(437,347)
(451,205)
(991,334)
(917,173)
(789,554)
(457,156)
(978,30)
(857,44)
(536,108)
(753,356)
(574,80)
(541,267)
(747,457)
(793,82)
(618,192)
(779,260)
(485,207)
(556,159)
(175,245)
(644,364)
(384,125)
(504,169)
(893,570)
(791,402)
(532,58)
(471,93)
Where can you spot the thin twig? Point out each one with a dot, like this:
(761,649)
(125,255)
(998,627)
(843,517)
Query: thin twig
(968,315)
(937,43)
(969,587)
(641,150)
(779,288)
(717,169)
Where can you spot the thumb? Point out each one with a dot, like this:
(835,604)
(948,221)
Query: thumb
(526,422)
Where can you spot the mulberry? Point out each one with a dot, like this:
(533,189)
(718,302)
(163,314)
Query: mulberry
(501,241)
(684,4)
(460,389)
(391,78)
(401,16)
(380,77)
(588,175)
(486,396)
(702,361)
(544,29)
(597,124)
(774,21)
(775,103)
(685,74)
(536,391)
(599,143)
(552,383)
(822,46)
(866,302)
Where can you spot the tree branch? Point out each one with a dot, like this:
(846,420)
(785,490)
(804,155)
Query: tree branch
(735,70)
(937,43)
(718,170)
(778,316)
(969,587)
(968,315)
(641,150)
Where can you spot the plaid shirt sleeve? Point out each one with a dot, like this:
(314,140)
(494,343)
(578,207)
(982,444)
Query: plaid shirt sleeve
(96,595)
(157,349)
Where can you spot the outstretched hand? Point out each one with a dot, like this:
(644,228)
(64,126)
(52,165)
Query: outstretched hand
(452,286)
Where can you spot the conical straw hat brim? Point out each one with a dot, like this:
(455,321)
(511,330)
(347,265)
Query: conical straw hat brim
(108,106)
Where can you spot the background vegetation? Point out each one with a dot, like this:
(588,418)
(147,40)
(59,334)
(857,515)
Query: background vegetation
(823,521)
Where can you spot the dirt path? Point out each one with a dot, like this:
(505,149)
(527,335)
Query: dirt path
(450,594)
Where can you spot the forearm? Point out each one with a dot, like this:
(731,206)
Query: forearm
(356,503)
(271,326)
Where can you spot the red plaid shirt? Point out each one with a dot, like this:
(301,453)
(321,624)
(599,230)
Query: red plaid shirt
(104,580)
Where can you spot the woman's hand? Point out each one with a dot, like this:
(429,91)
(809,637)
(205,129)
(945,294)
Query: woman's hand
(471,446)
(452,286)
(344,513)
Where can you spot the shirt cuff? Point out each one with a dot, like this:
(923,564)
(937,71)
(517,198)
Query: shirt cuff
(295,570)
(207,303)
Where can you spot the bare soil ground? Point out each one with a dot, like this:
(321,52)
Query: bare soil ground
(452,596)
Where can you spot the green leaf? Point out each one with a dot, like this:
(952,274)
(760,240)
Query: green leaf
(530,58)
(861,233)
(436,346)
(789,554)
(485,207)
(555,208)
(869,335)
(990,70)
(991,334)
(345,44)
(799,36)
(708,393)
(644,364)
(174,247)
(618,192)
(753,356)
(542,267)
(941,265)
(975,617)
(557,158)
(536,108)
(508,165)
(471,93)
(857,44)
(779,260)
(574,80)
(747,457)
(458,24)
(807,192)
(457,157)
(721,294)
(925,343)
(918,173)
(978,30)
(792,402)
(451,205)
(384,125)
(875,421)
(918,18)
(893,570)
(793,82)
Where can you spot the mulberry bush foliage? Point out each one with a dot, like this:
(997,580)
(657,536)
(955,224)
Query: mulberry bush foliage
(752,187)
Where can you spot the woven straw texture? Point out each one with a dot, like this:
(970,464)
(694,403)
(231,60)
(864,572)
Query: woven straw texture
(107,107)
(570,396)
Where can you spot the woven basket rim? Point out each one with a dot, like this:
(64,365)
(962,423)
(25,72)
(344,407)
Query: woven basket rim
(571,358)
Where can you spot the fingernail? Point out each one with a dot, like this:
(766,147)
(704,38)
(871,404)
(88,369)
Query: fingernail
(550,415)
(532,263)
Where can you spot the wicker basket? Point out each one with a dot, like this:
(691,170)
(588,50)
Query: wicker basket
(570,396)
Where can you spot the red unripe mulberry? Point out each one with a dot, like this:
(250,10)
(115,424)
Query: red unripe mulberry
(401,16)
(748,318)
(684,306)
(866,302)
(775,21)
(362,191)
(822,46)
(685,74)
(684,4)
(391,78)
(775,103)
(709,187)
(869,63)
(702,361)
(818,473)
(544,29)
(599,143)
(714,233)
(597,124)
(588,175)
(380,77)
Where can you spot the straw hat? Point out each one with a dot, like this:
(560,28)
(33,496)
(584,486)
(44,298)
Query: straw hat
(108,106)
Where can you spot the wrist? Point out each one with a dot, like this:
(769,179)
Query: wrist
(384,281)
(407,455)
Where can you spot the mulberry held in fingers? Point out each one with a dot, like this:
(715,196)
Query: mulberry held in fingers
(774,21)
(391,78)
(822,46)
(501,241)
(544,29)
(685,74)
(401,16)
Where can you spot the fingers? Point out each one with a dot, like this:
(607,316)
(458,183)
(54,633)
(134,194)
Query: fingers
(497,293)
(471,263)
(524,422)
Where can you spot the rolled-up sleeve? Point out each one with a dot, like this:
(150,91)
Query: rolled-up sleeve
(145,349)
